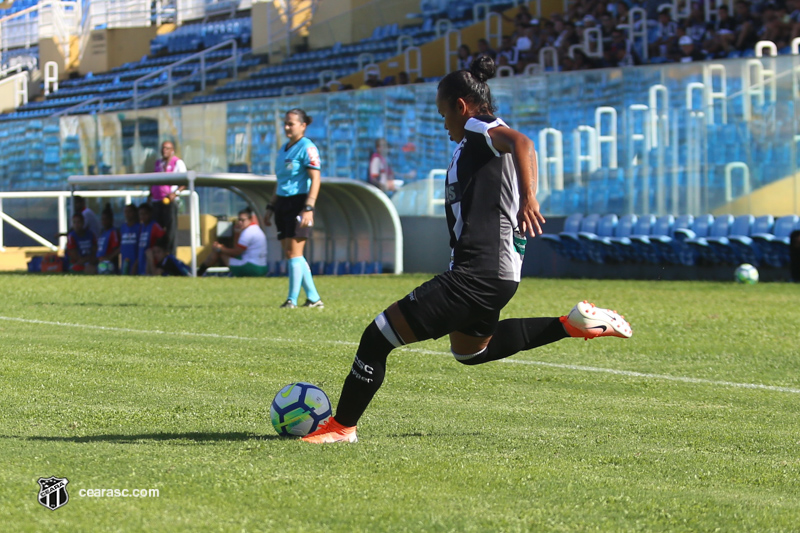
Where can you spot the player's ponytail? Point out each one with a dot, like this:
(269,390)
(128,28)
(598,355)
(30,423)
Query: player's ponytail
(471,85)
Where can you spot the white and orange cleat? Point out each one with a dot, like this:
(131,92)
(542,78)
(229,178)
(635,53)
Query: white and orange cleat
(332,431)
(587,321)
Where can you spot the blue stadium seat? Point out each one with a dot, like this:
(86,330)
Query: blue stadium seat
(670,248)
(571,225)
(619,243)
(744,248)
(720,227)
(595,246)
(721,246)
(774,248)
(571,241)
(643,244)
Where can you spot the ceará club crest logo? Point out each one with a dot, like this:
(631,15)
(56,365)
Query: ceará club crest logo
(53,492)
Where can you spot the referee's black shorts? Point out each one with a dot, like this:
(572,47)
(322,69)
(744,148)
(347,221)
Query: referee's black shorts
(455,301)
(287,209)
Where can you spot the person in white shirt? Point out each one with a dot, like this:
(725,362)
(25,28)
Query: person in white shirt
(248,255)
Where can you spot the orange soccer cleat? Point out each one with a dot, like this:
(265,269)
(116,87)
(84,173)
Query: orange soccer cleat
(332,431)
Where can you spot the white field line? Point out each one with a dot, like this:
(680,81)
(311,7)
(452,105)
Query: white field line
(579,368)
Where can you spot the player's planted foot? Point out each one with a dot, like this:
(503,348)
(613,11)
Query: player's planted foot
(332,431)
(318,304)
(587,321)
(288,304)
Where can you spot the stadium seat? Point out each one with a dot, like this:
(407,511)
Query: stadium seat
(571,225)
(721,246)
(704,252)
(571,241)
(621,239)
(643,245)
(669,247)
(596,246)
(774,248)
(744,248)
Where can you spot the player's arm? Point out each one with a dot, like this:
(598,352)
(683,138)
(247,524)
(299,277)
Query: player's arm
(311,199)
(522,152)
(236,251)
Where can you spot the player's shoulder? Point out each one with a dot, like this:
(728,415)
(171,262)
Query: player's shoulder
(483,123)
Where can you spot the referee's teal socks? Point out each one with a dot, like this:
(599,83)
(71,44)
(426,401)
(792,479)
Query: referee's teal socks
(300,275)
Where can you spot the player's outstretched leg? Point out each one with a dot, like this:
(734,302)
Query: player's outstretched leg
(515,335)
(588,321)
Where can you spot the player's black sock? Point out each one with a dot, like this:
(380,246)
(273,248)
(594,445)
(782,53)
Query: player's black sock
(515,335)
(366,376)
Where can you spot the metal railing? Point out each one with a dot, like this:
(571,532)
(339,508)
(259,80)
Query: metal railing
(61,198)
(169,84)
(203,69)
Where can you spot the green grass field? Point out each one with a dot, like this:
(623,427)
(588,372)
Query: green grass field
(691,425)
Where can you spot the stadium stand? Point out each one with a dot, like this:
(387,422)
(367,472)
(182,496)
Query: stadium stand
(687,240)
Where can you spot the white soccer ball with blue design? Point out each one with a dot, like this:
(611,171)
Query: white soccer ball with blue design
(299,408)
(747,274)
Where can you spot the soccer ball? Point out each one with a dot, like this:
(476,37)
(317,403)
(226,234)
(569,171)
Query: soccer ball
(747,274)
(299,409)
(105,267)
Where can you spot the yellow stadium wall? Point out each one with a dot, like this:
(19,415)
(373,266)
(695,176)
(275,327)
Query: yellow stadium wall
(8,98)
(108,49)
(778,199)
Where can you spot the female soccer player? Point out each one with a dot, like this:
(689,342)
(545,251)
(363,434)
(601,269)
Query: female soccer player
(490,207)
(293,205)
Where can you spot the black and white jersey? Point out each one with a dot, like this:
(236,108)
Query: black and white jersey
(481,204)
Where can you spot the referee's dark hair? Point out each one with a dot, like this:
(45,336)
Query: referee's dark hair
(471,85)
(304,117)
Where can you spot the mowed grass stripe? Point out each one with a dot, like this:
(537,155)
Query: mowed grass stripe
(580,368)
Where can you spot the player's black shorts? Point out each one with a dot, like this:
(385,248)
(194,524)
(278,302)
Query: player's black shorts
(287,209)
(455,301)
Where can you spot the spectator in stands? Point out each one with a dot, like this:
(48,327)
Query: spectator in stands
(165,263)
(485,50)
(621,52)
(507,51)
(689,50)
(745,37)
(90,221)
(695,25)
(81,247)
(774,29)
(293,204)
(402,78)
(129,239)
(607,27)
(664,35)
(566,38)
(108,244)
(381,174)
(793,7)
(163,197)
(371,82)
(464,57)
(247,256)
(523,16)
(623,13)
(149,232)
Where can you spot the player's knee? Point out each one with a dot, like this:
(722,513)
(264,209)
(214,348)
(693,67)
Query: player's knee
(469,359)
